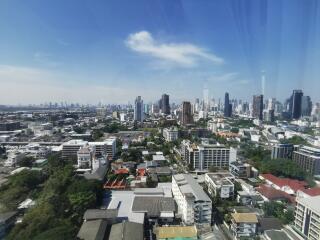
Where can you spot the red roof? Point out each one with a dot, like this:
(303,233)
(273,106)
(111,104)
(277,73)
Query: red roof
(121,171)
(295,185)
(311,191)
(141,172)
(274,194)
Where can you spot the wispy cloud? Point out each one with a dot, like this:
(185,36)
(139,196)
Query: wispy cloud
(45,59)
(180,54)
(233,78)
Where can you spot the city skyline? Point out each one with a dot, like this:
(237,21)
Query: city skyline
(112,52)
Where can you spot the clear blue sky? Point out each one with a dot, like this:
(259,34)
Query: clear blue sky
(112,51)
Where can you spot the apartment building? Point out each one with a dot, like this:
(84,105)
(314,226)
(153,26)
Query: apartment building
(308,158)
(105,148)
(70,148)
(244,224)
(194,205)
(202,157)
(86,156)
(307,217)
(171,134)
(220,184)
(282,151)
(240,170)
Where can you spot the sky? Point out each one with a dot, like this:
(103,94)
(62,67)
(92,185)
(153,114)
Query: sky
(112,51)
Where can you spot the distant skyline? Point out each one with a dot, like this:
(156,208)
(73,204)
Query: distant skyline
(112,51)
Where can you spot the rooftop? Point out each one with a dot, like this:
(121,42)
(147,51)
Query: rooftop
(311,191)
(311,202)
(93,230)
(153,206)
(281,182)
(176,232)
(188,185)
(276,235)
(92,214)
(126,231)
(245,217)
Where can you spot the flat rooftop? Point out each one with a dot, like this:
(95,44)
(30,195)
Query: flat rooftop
(188,185)
(311,202)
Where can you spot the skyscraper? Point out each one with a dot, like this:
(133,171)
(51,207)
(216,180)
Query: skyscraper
(257,106)
(186,116)
(227,106)
(306,106)
(138,109)
(295,104)
(165,105)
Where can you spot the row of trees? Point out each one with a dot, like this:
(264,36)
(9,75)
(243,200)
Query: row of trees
(61,199)
(261,159)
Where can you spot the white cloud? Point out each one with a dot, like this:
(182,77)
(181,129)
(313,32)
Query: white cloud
(181,54)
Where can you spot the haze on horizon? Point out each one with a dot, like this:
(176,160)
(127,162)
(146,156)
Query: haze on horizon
(111,52)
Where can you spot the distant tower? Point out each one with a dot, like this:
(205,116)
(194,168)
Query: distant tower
(295,104)
(206,103)
(257,106)
(138,109)
(227,106)
(306,106)
(165,104)
(186,116)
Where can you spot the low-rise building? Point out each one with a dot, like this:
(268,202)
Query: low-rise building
(244,224)
(240,170)
(220,184)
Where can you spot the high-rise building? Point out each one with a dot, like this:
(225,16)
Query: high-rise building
(138,109)
(227,106)
(295,104)
(282,151)
(306,106)
(257,106)
(194,205)
(186,116)
(307,220)
(271,104)
(165,105)
(202,157)
(308,159)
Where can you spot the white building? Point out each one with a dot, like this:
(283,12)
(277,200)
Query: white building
(220,184)
(70,148)
(13,157)
(171,134)
(86,156)
(202,157)
(107,147)
(307,217)
(194,205)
